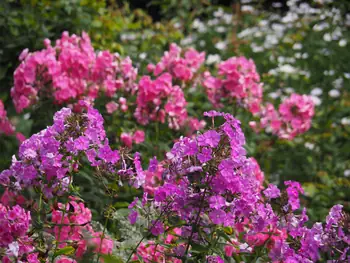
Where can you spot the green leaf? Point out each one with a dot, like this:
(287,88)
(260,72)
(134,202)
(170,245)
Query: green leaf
(198,247)
(68,250)
(111,259)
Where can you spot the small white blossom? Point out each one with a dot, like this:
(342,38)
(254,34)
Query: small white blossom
(342,43)
(212,59)
(309,145)
(334,93)
(347,173)
(221,45)
(345,121)
(316,91)
(327,37)
(297,46)
(316,100)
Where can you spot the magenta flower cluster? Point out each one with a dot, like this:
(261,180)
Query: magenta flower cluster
(71,70)
(6,126)
(237,80)
(293,117)
(76,227)
(68,71)
(159,100)
(181,68)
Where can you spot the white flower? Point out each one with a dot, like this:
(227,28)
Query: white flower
(342,43)
(221,45)
(347,75)
(287,69)
(289,90)
(281,59)
(334,93)
(276,5)
(177,25)
(247,8)
(274,95)
(309,145)
(297,55)
(305,55)
(273,72)
(327,37)
(142,56)
(213,22)
(212,59)
(345,121)
(316,100)
(329,72)
(256,48)
(338,83)
(220,29)
(316,91)
(321,26)
(263,23)
(347,173)
(219,12)
(227,18)
(199,25)
(289,18)
(187,41)
(13,249)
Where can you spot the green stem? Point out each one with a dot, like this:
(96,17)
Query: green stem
(102,237)
(196,222)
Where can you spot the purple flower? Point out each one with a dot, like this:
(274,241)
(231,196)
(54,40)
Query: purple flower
(226,168)
(133,217)
(293,190)
(216,202)
(204,155)
(107,155)
(153,163)
(272,191)
(81,143)
(335,214)
(140,174)
(157,228)
(217,216)
(180,250)
(133,203)
(210,138)
(215,259)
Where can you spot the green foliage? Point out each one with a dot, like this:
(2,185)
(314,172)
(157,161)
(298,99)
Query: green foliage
(318,158)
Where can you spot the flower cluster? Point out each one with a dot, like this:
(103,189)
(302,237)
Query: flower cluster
(158,100)
(5,125)
(128,138)
(14,225)
(293,117)
(151,252)
(70,70)
(48,160)
(182,68)
(238,80)
(211,186)
(74,228)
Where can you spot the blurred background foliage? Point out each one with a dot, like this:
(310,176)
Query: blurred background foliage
(294,47)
